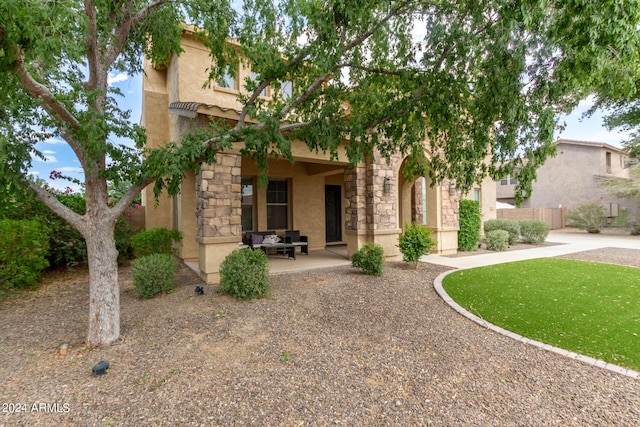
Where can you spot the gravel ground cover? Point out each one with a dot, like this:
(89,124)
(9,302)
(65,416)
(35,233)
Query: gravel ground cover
(327,347)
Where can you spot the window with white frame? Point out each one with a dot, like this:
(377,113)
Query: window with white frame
(256,78)
(228,79)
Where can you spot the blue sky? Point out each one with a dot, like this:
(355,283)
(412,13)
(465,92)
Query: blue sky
(61,158)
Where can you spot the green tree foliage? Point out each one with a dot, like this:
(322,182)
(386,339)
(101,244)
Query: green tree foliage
(591,217)
(415,242)
(470,221)
(474,79)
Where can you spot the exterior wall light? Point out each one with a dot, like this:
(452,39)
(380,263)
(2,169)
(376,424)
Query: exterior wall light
(452,188)
(387,185)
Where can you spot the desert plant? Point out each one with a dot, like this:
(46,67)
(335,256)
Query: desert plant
(369,258)
(155,241)
(591,217)
(498,240)
(512,227)
(533,231)
(415,242)
(23,250)
(153,274)
(470,221)
(244,273)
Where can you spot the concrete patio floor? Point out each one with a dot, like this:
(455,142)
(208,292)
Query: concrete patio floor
(331,256)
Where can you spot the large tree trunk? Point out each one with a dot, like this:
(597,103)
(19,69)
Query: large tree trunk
(104,291)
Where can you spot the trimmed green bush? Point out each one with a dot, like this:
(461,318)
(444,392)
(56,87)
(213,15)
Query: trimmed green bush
(155,241)
(498,240)
(511,227)
(415,242)
(23,249)
(470,221)
(533,231)
(154,274)
(244,273)
(591,217)
(369,258)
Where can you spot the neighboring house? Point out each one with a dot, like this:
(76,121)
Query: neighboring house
(325,199)
(572,178)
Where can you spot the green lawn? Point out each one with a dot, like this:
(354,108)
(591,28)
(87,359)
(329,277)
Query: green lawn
(590,308)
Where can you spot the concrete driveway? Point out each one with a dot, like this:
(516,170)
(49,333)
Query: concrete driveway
(568,242)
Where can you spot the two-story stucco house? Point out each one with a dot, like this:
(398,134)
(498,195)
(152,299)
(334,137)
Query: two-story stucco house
(327,200)
(572,178)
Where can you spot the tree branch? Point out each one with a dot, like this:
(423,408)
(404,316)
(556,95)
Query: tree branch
(58,207)
(40,91)
(93,54)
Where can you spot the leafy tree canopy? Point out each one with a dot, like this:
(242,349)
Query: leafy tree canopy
(477,79)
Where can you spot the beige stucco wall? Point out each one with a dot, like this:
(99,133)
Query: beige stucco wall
(155,119)
(306,199)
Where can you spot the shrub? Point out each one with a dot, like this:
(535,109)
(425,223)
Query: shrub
(470,221)
(498,240)
(511,227)
(23,250)
(415,242)
(534,231)
(370,258)
(154,274)
(591,217)
(244,273)
(155,241)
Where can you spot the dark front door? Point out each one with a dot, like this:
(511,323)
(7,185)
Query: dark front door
(332,207)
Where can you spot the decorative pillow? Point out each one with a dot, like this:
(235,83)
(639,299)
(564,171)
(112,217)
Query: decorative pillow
(256,239)
(271,239)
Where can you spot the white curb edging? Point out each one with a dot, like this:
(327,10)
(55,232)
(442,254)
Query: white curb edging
(437,284)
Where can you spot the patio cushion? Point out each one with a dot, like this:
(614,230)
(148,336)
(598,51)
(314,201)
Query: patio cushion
(256,238)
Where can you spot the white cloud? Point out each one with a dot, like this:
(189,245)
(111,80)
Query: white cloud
(54,141)
(117,78)
(47,159)
(70,169)
(48,152)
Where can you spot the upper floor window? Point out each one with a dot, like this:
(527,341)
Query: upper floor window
(509,181)
(228,79)
(256,78)
(608,157)
(286,90)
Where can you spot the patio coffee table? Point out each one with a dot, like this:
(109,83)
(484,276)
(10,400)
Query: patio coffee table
(284,248)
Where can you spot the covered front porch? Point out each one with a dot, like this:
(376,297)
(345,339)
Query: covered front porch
(331,256)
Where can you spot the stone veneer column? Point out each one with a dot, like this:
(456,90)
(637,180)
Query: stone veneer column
(218,213)
(355,207)
(447,233)
(417,207)
(371,214)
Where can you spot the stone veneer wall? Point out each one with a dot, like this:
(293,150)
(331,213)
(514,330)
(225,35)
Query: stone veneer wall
(218,203)
(355,200)
(416,202)
(450,207)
